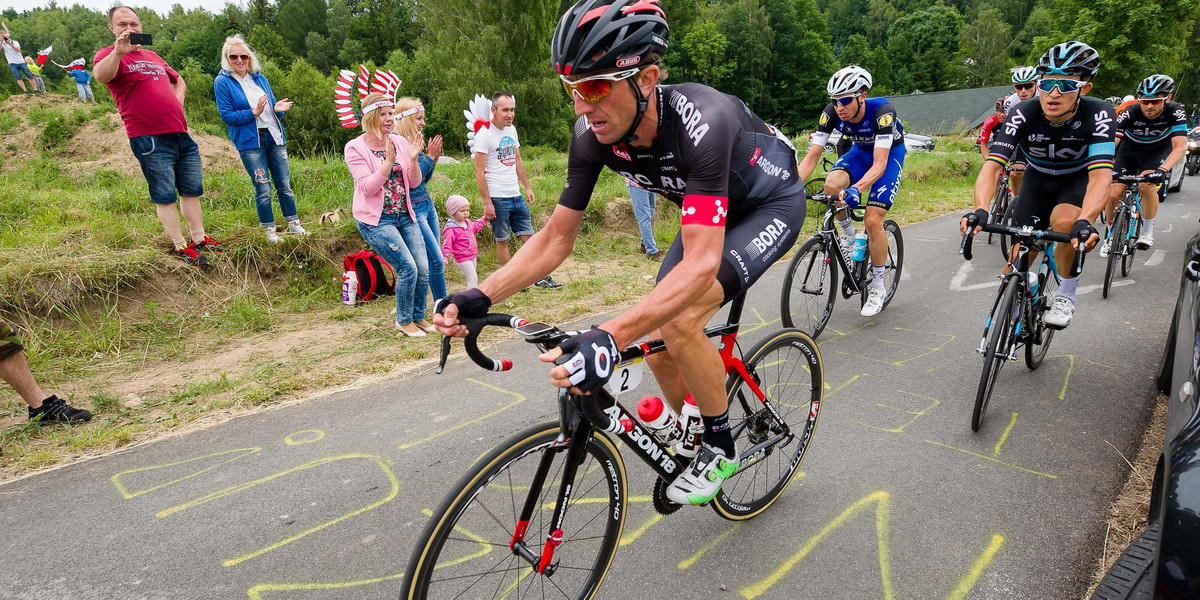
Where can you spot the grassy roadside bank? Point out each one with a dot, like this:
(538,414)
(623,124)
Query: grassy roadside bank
(151,346)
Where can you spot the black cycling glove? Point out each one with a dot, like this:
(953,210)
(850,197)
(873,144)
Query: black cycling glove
(975,219)
(1082,230)
(471,303)
(589,358)
(1155,176)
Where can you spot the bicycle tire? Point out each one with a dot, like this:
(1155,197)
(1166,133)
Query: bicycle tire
(787,367)
(997,208)
(438,552)
(999,335)
(1039,340)
(1135,230)
(893,265)
(1117,246)
(809,288)
(1009,219)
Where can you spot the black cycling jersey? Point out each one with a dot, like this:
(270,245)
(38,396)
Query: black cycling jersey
(880,127)
(1134,126)
(1083,143)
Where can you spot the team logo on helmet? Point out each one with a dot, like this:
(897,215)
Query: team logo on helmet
(628,61)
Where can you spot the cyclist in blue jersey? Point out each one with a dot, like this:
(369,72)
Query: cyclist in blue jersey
(1151,140)
(742,205)
(1067,138)
(871,168)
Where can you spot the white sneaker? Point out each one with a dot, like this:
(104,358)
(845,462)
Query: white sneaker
(294,227)
(272,236)
(1105,248)
(874,302)
(1145,241)
(703,477)
(1060,313)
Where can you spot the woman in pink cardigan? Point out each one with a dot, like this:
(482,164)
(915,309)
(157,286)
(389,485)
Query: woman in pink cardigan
(383,165)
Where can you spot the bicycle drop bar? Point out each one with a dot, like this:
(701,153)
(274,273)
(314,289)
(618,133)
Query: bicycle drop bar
(474,327)
(1029,233)
(856,214)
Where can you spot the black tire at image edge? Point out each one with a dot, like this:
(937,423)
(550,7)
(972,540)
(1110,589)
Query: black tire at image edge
(1130,578)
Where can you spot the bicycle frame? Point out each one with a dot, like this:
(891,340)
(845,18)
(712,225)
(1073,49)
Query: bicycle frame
(1018,272)
(828,232)
(580,416)
(1131,200)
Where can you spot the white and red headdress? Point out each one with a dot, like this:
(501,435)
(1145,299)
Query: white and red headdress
(479,116)
(384,82)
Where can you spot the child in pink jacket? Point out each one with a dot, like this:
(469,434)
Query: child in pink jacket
(458,237)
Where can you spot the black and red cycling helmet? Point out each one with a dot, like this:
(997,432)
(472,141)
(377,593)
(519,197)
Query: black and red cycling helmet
(595,36)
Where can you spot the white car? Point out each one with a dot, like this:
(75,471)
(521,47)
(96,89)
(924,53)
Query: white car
(912,141)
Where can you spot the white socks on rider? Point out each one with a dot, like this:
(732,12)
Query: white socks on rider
(1067,287)
(847,227)
(877,277)
(1148,227)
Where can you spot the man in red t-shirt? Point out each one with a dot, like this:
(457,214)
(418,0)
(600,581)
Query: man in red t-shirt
(149,96)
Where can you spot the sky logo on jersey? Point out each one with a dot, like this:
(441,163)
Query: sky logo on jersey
(766,238)
(1103,118)
(884,121)
(1053,152)
(690,116)
(1013,121)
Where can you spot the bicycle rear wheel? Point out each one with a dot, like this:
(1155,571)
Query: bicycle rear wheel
(1039,339)
(787,368)
(464,550)
(1009,219)
(892,265)
(997,208)
(809,288)
(996,353)
(1135,230)
(1118,246)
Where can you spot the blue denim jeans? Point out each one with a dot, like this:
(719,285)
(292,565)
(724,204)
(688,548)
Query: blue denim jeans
(265,164)
(397,239)
(427,219)
(512,217)
(170,162)
(643,211)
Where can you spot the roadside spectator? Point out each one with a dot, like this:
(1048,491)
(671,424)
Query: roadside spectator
(252,116)
(498,167)
(643,211)
(16,62)
(459,237)
(149,96)
(410,121)
(39,84)
(14,370)
(383,166)
(83,83)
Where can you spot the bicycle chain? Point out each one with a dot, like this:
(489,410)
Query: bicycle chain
(662,504)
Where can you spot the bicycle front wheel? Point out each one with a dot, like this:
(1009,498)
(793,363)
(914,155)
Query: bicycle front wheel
(773,439)
(996,353)
(1039,338)
(1005,241)
(892,266)
(809,288)
(996,209)
(1135,230)
(464,551)
(1117,232)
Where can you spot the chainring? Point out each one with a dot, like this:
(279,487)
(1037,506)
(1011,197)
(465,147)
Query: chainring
(662,504)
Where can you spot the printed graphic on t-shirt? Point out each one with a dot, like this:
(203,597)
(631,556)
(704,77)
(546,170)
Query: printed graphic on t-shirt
(506,151)
(147,67)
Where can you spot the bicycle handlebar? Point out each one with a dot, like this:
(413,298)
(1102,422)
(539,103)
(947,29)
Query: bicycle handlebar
(828,199)
(1127,179)
(1025,232)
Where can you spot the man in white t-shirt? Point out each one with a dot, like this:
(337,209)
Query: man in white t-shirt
(16,61)
(498,168)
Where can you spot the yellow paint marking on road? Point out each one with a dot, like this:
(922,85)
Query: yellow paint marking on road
(632,537)
(968,581)
(519,399)
(1004,436)
(691,560)
(825,339)
(116,479)
(516,583)
(292,440)
(916,414)
(1067,379)
(959,357)
(743,329)
(842,386)
(995,460)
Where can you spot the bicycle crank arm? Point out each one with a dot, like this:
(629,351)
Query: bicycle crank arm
(760,451)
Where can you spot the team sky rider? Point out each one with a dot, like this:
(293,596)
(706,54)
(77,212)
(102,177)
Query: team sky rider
(742,207)
(989,125)
(872,167)
(1024,81)
(1067,138)
(1151,140)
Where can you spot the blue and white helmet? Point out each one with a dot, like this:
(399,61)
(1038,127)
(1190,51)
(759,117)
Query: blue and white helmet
(849,80)
(1070,58)
(1156,86)
(1024,75)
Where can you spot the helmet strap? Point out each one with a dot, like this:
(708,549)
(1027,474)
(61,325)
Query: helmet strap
(643,103)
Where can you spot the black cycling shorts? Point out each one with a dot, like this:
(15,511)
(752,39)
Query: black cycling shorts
(753,242)
(1041,193)
(1133,158)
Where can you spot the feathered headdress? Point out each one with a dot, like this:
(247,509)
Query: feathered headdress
(479,116)
(384,82)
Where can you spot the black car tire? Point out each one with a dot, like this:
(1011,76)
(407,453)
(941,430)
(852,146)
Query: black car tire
(1131,577)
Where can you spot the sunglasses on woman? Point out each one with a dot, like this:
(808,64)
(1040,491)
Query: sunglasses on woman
(239,57)
(593,89)
(1065,86)
(1151,101)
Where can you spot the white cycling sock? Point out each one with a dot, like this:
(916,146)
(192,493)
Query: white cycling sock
(877,277)
(847,226)
(1067,287)
(1148,226)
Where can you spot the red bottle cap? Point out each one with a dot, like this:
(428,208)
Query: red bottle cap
(650,408)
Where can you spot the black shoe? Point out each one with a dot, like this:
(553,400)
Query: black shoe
(657,256)
(547,284)
(642,247)
(209,245)
(54,410)
(191,256)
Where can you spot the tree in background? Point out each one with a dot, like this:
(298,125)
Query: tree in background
(986,44)
(923,45)
(297,18)
(269,45)
(704,48)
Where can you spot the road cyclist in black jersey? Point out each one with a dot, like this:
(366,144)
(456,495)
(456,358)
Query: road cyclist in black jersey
(1024,80)
(733,176)
(1068,140)
(869,173)
(1151,140)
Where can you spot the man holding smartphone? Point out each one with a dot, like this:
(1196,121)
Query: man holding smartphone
(16,61)
(149,96)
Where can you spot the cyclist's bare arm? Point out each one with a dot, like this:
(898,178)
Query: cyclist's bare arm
(985,188)
(1178,150)
(809,164)
(1095,198)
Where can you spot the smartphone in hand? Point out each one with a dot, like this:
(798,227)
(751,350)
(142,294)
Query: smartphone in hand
(141,39)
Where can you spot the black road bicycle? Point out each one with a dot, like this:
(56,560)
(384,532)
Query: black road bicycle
(811,284)
(1124,229)
(1021,303)
(541,514)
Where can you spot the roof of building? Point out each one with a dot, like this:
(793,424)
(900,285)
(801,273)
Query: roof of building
(955,111)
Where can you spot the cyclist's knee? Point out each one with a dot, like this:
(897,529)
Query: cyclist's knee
(836,181)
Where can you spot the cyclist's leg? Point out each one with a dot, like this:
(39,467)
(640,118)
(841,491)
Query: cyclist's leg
(1034,208)
(849,168)
(1069,200)
(1015,178)
(1153,159)
(883,194)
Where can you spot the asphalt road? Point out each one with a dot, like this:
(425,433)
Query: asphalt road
(898,499)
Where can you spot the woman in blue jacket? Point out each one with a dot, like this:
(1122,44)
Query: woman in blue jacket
(251,114)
